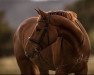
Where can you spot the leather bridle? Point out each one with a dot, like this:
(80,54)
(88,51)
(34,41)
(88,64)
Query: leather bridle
(36,51)
(44,31)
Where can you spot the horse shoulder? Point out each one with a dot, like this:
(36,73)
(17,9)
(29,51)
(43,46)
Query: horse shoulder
(25,30)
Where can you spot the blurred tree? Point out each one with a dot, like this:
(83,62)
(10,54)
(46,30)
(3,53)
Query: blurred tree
(85,12)
(5,36)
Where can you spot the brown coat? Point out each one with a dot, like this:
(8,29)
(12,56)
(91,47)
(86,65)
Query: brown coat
(60,55)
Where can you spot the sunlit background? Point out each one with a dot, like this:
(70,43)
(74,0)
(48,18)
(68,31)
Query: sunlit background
(13,12)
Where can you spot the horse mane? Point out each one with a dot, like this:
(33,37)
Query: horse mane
(67,14)
(72,16)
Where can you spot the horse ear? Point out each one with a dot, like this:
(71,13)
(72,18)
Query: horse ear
(41,13)
(38,11)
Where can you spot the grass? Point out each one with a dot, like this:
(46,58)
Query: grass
(91,65)
(9,66)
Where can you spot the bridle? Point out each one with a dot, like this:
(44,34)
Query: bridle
(44,31)
(36,51)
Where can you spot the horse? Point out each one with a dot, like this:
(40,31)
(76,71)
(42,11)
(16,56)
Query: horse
(53,40)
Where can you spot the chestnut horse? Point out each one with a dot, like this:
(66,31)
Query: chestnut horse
(53,41)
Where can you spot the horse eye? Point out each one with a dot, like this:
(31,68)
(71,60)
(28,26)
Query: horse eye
(38,29)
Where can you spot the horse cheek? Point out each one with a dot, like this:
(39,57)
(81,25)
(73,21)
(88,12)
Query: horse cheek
(53,35)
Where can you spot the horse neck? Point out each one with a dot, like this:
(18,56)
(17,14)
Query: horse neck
(77,22)
(69,26)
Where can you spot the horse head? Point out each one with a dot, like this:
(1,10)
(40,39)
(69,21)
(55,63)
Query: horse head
(49,27)
(44,34)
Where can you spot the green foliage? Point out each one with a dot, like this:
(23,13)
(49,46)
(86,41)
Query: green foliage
(5,36)
(85,12)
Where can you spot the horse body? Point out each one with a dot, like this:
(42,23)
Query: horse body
(66,54)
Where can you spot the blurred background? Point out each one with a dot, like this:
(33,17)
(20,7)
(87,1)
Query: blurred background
(13,12)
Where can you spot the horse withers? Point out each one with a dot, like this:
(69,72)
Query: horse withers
(57,36)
